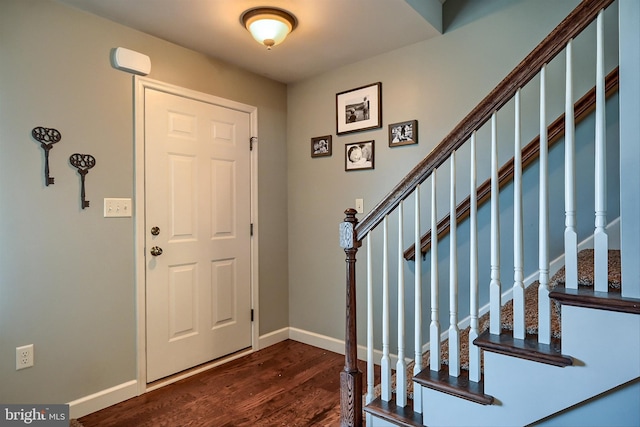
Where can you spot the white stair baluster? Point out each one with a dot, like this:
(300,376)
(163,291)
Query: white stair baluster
(544,307)
(401,365)
(495,286)
(454,332)
(518,244)
(570,234)
(370,343)
(385,363)
(474,351)
(434,327)
(600,238)
(417,366)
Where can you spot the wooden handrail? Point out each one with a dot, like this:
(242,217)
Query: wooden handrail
(530,152)
(548,49)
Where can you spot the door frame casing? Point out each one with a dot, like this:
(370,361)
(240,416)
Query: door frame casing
(140,85)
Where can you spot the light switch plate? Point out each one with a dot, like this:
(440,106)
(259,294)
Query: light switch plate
(360,205)
(117,208)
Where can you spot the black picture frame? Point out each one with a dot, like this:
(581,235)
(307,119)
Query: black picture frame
(359,156)
(403,133)
(359,109)
(321,146)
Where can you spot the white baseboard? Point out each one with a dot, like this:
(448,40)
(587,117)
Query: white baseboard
(305,337)
(337,346)
(273,338)
(325,342)
(102,399)
(317,340)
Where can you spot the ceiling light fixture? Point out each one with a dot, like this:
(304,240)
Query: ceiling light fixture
(269,26)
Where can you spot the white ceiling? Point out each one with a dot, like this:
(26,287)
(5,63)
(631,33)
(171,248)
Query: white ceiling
(330,33)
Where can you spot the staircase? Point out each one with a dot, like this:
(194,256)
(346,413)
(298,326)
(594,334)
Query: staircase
(506,345)
(526,351)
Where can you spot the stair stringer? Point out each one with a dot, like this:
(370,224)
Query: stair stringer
(605,346)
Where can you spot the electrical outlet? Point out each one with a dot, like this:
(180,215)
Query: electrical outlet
(24,357)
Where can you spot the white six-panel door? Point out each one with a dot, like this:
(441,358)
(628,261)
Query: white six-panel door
(197,186)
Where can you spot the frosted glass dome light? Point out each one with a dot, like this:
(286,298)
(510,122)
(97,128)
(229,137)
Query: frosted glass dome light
(268,26)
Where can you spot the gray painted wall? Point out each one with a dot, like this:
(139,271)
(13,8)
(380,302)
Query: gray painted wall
(67,274)
(629,131)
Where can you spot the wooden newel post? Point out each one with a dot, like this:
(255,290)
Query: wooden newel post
(350,377)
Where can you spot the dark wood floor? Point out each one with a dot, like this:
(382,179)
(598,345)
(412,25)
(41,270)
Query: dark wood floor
(287,384)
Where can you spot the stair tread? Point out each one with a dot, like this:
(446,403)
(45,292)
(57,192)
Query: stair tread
(586,270)
(528,348)
(459,386)
(586,296)
(402,416)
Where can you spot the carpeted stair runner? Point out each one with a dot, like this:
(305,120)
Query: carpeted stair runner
(585,278)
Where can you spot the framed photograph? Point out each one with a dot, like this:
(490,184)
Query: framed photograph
(358,156)
(321,146)
(404,133)
(359,109)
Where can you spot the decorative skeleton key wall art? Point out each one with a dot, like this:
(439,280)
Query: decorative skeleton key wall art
(82,162)
(46,137)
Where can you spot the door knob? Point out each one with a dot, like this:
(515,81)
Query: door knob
(155,231)
(156,250)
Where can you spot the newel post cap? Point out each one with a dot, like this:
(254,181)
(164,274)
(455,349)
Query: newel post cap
(347,230)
